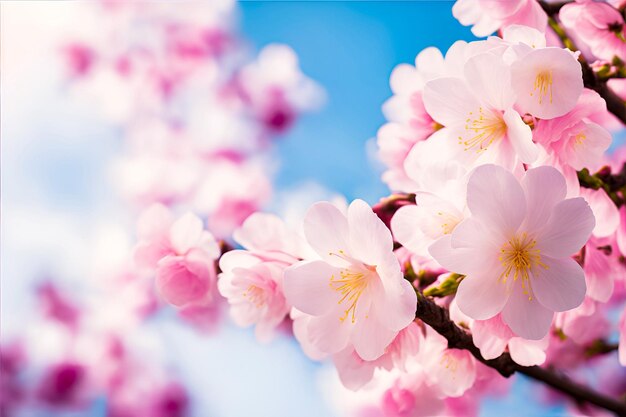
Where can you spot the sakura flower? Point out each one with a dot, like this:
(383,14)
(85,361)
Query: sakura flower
(450,372)
(573,140)
(440,185)
(492,336)
(354,372)
(597,25)
(478,115)
(181,253)
(355,294)
(252,279)
(515,249)
(547,82)
(487,16)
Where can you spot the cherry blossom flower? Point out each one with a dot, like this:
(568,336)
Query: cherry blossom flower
(547,82)
(478,114)
(181,253)
(487,16)
(598,25)
(356,293)
(252,279)
(515,249)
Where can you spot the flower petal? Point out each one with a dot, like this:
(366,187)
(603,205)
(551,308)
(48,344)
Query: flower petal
(307,287)
(525,316)
(482,296)
(544,188)
(370,338)
(185,233)
(326,230)
(370,240)
(568,229)
(496,198)
(520,136)
(560,286)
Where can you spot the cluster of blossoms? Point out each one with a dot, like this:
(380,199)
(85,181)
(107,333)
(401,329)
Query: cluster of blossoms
(496,219)
(196,115)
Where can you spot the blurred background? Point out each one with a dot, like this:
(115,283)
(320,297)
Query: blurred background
(59,203)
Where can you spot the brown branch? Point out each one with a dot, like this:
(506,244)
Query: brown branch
(438,318)
(552,9)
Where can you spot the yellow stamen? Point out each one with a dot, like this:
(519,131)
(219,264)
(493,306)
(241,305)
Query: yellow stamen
(543,86)
(351,285)
(255,295)
(483,129)
(519,256)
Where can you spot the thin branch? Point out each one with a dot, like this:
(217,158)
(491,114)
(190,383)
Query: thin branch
(437,317)
(552,8)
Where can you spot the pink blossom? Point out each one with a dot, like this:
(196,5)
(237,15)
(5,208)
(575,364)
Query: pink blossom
(356,293)
(515,249)
(547,82)
(62,385)
(487,16)
(478,114)
(598,25)
(492,336)
(181,253)
(354,372)
(450,372)
(252,279)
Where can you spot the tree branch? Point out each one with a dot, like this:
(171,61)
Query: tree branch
(437,317)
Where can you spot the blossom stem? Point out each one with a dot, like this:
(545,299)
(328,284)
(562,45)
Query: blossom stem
(613,184)
(438,318)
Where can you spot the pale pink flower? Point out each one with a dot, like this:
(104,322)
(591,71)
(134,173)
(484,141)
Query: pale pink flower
(356,293)
(450,372)
(492,336)
(252,279)
(478,114)
(598,25)
(547,82)
(584,324)
(620,234)
(354,372)
(601,269)
(487,16)
(574,140)
(515,249)
(181,253)
(440,185)
(276,89)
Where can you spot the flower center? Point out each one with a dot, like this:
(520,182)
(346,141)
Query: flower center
(579,139)
(482,130)
(255,295)
(350,284)
(518,256)
(448,222)
(543,86)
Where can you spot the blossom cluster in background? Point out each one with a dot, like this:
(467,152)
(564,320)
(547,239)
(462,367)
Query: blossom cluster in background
(198,114)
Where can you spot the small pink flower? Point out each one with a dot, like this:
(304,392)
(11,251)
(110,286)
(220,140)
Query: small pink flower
(252,279)
(354,372)
(492,336)
(515,249)
(547,82)
(487,16)
(478,113)
(597,25)
(356,293)
(181,253)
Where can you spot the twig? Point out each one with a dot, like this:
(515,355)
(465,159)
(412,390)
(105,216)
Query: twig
(437,317)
